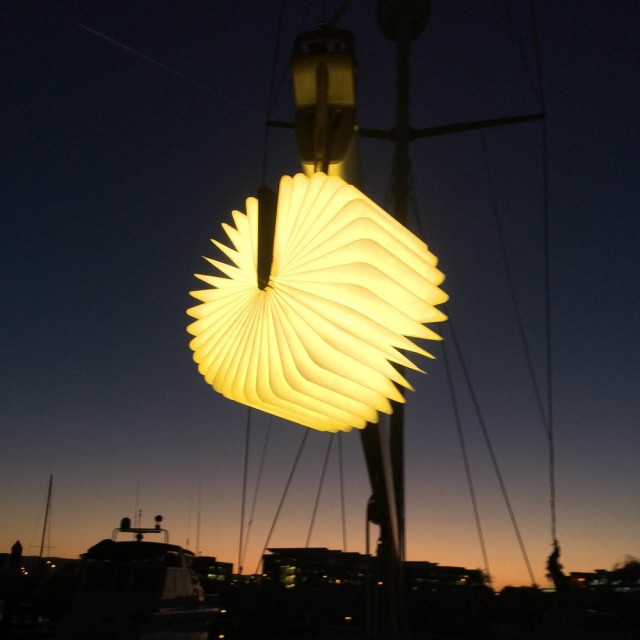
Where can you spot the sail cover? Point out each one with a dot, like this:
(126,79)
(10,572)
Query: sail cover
(323,344)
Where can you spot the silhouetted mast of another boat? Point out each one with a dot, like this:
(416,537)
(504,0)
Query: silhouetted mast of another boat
(46,517)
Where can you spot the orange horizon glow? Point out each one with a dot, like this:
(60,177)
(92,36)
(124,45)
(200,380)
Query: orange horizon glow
(75,530)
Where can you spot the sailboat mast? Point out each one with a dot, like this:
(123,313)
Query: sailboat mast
(400,193)
(46,516)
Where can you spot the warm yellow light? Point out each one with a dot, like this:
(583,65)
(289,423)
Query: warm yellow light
(348,286)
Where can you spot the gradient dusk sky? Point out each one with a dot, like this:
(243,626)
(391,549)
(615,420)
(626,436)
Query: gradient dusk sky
(130,130)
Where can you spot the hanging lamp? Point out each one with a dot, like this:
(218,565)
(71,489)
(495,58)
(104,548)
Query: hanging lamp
(314,336)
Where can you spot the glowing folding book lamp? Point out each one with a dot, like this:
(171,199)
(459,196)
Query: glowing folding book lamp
(315,343)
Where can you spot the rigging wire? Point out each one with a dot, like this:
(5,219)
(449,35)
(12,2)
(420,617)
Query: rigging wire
(256,491)
(521,50)
(511,286)
(270,101)
(338,15)
(547,278)
(547,418)
(538,86)
(284,495)
(467,466)
(458,422)
(342,502)
(489,444)
(244,488)
(273,91)
(481,421)
(319,493)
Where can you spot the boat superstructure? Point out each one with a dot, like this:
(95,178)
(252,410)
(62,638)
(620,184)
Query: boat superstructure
(138,589)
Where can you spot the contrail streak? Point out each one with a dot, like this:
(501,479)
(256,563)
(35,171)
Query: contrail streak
(204,87)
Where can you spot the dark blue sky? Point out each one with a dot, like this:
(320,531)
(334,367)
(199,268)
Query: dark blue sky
(115,172)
